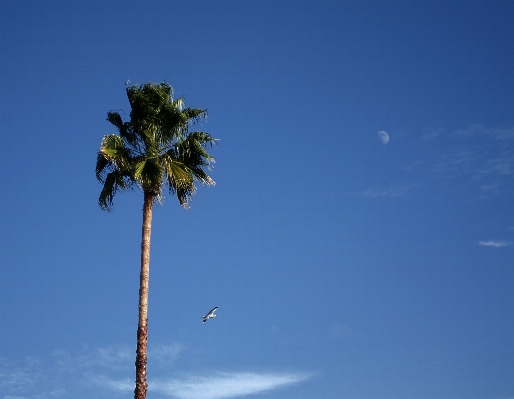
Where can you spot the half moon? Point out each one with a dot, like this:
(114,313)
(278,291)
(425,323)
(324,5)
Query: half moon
(383,136)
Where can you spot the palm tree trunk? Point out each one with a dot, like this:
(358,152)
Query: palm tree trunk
(142,329)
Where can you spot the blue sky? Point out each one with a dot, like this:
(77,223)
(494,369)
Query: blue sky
(343,267)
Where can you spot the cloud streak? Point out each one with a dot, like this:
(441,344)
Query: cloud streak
(381,192)
(107,371)
(495,244)
(90,371)
(226,385)
(482,157)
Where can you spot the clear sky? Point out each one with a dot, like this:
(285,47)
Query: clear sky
(344,265)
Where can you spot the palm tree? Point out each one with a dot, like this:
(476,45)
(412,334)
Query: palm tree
(152,150)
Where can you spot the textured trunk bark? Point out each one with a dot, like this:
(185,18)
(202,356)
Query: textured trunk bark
(142,329)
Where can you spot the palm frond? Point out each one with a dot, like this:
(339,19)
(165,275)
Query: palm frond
(124,128)
(149,173)
(184,196)
(115,119)
(113,147)
(176,170)
(194,115)
(102,167)
(114,181)
(193,150)
(146,102)
(115,150)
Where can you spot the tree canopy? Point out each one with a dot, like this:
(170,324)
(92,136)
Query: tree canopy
(154,148)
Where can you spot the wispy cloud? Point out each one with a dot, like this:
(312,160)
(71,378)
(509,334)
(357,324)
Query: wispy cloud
(165,354)
(18,377)
(497,133)
(225,385)
(113,358)
(483,157)
(496,244)
(431,134)
(107,371)
(391,192)
(89,371)
(120,385)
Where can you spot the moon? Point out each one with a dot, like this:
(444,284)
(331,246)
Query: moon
(383,136)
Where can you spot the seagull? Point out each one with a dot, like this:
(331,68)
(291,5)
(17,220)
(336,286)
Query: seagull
(209,315)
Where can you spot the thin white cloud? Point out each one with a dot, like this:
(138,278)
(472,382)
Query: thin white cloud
(497,133)
(121,385)
(496,244)
(89,371)
(107,371)
(477,158)
(114,357)
(166,354)
(431,134)
(502,165)
(225,385)
(17,378)
(391,192)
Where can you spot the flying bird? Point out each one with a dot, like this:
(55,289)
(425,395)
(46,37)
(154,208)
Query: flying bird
(209,315)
